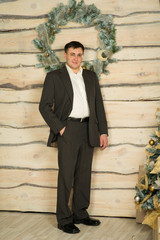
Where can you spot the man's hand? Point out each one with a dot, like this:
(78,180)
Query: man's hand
(62,131)
(103,141)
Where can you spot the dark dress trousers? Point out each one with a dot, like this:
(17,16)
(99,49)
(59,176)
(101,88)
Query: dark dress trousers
(75,146)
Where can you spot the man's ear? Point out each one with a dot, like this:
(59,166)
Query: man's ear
(64,55)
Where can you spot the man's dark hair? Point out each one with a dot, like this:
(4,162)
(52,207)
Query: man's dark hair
(73,44)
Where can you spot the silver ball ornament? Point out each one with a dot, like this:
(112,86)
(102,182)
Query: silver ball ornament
(137,200)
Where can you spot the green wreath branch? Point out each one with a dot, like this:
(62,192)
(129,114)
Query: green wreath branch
(89,16)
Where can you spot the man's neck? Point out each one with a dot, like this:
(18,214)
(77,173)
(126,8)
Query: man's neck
(73,70)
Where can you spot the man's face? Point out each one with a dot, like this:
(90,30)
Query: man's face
(74,58)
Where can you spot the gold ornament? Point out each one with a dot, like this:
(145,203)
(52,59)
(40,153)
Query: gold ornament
(99,55)
(52,32)
(70,10)
(84,67)
(151,142)
(46,54)
(152,188)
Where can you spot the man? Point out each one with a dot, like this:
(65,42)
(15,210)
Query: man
(78,123)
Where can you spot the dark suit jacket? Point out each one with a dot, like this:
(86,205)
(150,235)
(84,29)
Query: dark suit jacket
(57,99)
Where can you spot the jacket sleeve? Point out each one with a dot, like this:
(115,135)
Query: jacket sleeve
(46,104)
(100,112)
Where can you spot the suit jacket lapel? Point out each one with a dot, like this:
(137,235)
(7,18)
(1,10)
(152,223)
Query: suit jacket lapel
(87,85)
(67,82)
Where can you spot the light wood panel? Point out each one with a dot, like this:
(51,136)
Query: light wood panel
(132,72)
(131,114)
(22,41)
(25,59)
(14,136)
(137,18)
(120,114)
(139,53)
(126,53)
(109,93)
(113,202)
(141,35)
(119,159)
(14,178)
(22,76)
(131,93)
(30,8)
(14,24)
(21,24)
(135,35)
(34,156)
(8,95)
(129,72)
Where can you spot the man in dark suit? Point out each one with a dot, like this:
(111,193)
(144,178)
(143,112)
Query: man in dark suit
(72,106)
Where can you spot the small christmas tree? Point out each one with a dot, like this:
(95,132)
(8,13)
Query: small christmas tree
(148,189)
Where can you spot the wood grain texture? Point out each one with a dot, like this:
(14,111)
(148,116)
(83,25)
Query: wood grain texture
(126,53)
(113,203)
(135,35)
(7,24)
(29,226)
(125,72)
(30,8)
(118,159)
(109,93)
(119,114)
(15,178)
(132,93)
(132,72)
(19,136)
(141,35)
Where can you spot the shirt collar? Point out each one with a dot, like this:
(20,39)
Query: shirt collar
(70,71)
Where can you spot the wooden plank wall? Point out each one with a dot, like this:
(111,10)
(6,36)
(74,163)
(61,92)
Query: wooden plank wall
(131,94)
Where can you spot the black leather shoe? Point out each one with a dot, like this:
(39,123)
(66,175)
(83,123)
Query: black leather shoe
(69,228)
(87,221)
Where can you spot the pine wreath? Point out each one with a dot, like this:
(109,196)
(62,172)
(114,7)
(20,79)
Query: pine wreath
(89,16)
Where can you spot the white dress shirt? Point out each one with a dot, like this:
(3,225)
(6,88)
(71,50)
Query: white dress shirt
(80,104)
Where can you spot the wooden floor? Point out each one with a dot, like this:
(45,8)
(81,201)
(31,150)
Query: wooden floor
(38,226)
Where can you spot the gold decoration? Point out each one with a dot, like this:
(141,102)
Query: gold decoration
(46,54)
(156,168)
(157,133)
(84,67)
(157,146)
(52,32)
(99,55)
(156,203)
(151,142)
(151,218)
(143,186)
(152,188)
(158,113)
(146,198)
